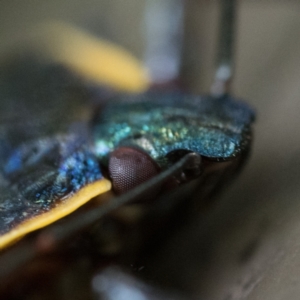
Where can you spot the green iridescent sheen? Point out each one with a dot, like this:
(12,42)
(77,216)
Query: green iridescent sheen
(164,124)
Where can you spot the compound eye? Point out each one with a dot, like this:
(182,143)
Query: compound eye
(129,167)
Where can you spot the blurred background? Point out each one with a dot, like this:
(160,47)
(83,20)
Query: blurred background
(267,75)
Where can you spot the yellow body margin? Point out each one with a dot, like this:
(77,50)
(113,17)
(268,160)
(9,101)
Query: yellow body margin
(93,58)
(64,208)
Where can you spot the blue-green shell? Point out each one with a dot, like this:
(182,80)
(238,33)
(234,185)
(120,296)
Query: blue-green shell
(161,124)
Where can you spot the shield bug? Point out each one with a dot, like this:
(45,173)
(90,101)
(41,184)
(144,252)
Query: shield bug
(167,127)
(144,144)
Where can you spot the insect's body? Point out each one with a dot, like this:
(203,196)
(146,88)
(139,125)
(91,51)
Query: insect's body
(56,154)
(53,159)
(49,153)
(46,161)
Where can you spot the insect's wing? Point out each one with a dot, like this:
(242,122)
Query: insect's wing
(44,163)
(36,191)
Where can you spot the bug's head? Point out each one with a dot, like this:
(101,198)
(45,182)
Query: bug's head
(153,131)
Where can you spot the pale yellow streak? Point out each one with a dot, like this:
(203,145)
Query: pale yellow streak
(64,208)
(93,58)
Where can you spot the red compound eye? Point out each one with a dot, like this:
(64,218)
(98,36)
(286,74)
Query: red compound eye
(129,167)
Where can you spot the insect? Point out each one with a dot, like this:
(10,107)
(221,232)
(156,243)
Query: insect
(132,139)
(72,152)
(45,167)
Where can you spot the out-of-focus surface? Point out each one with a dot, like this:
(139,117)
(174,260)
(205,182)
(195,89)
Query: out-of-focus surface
(267,72)
(267,75)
